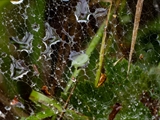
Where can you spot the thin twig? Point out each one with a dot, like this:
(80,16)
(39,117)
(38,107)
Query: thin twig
(103,44)
(135,30)
(67,102)
(116,108)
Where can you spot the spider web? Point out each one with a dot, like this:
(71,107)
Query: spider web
(40,41)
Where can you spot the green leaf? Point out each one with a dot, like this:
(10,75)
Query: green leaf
(40,98)
(51,108)
(41,115)
(97,103)
(80,60)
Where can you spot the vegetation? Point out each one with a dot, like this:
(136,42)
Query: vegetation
(103,79)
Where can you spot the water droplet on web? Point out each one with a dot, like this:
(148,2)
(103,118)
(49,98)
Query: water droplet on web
(27,6)
(82,12)
(49,40)
(73,55)
(1,61)
(25,42)
(18,68)
(33,85)
(7,108)
(35,27)
(2,115)
(49,33)
(15,2)
(100,12)
(25,16)
(3,54)
(79,102)
(98,112)
(20,105)
(33,15)
(56,112)
(11,20)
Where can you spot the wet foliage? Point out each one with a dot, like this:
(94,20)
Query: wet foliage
(68,59)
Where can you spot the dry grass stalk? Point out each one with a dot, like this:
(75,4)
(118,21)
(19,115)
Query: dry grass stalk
(102,50)
(135,30)
(67,102)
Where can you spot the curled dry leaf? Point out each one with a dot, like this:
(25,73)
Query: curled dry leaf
(15,101)
(141,56)
(45,90)
(115,63)
(114,16)
(102,79)
(115,110)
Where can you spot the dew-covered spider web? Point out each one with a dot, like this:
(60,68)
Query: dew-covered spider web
(57,64)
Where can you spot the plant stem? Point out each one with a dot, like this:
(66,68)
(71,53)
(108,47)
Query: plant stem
(67,102)
(103,45)
(135,30)
(74,75)
(95,40)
